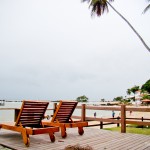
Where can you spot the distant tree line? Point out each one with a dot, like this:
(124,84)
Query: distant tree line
(82,99)
(144,91)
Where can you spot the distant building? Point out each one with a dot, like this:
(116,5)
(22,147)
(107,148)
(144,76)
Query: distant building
(138,95)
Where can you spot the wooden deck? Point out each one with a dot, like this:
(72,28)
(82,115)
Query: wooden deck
(98,139)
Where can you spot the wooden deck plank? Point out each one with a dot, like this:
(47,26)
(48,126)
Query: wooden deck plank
(124,143)
(96,138)
(136,141)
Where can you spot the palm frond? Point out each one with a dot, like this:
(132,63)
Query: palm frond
(99,7)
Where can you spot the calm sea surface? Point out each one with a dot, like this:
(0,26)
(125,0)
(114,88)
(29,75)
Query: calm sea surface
(8,115)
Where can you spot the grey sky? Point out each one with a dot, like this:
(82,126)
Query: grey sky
(54,50)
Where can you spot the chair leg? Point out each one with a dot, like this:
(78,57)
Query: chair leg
(25,137)
(80,130)
(52,137)
(63,131)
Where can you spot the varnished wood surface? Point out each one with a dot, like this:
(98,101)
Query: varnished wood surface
(96,138)
(31,115)
(64,111)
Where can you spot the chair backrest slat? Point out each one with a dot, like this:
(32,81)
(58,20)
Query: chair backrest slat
(31,113)
(64,111)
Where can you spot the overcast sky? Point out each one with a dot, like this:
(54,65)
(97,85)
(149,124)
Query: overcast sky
(52,50)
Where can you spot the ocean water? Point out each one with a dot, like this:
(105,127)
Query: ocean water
(8,115)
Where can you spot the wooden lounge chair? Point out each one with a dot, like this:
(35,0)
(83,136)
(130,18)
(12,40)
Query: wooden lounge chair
(29,121)
(62,118)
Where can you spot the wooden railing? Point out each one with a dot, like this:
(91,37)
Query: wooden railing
(121,120)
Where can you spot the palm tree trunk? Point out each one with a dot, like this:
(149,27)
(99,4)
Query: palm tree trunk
(130,26)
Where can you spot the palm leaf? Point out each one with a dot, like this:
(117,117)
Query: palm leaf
(99,7)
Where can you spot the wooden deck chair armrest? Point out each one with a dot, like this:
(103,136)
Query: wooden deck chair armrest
(12,127)
(42,130)
(76,124)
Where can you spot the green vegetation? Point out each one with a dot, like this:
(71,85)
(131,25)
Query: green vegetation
(146,96)
(82,99)
(132,129)
(144,93)
(121,100)
(146,86)
(133,90)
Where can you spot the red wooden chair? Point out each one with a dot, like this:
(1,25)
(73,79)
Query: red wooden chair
(29,121)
